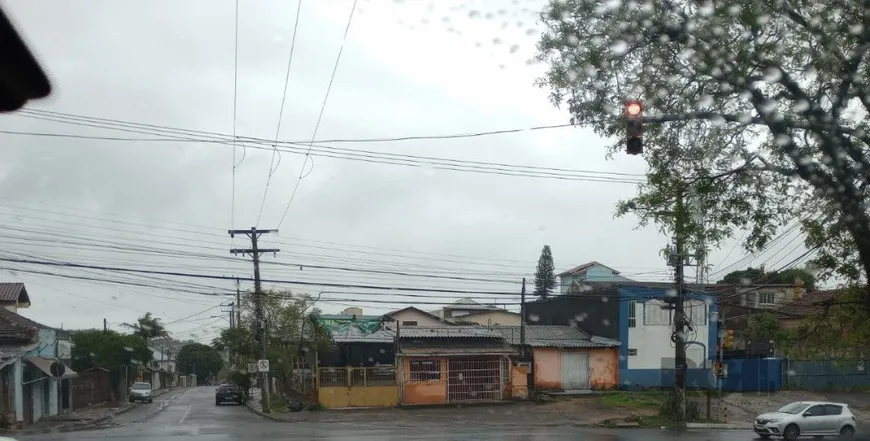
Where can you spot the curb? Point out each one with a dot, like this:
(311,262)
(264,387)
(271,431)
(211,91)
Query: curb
(266,415)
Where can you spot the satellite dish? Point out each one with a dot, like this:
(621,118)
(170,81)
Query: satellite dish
(57,369)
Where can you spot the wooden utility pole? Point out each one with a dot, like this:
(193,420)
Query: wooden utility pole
(523,316)
(105,325)
(255,252)
(238,303)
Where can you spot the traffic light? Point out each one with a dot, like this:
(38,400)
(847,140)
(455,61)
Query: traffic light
(717,368)
(634,127)
(729,339)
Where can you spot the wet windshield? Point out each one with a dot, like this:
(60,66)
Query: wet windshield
(793,408)
(141,386)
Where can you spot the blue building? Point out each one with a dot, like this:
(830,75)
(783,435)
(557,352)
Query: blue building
(646,328)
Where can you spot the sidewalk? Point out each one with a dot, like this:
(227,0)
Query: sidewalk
(581,412)
(83,418)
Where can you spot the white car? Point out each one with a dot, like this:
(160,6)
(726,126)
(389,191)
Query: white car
(807,418)
(141,392)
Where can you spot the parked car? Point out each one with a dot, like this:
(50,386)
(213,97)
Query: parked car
(807,418)
(228,392)
(141,392)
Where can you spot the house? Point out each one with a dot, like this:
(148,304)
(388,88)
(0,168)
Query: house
(453,364)
(640,316)
(566,357)
(468,311)
(412,316)
(571,280)
(736,302)
(793,314)
(32,367)
(14,296)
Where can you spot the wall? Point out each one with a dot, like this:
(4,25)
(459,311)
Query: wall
(603,364)
(548,371)
(653,364)
(519,387)
(47,344)
(11,308)
(492,318)
(358,396)
(825,374)
(417,316)
(587,310)
(423,392)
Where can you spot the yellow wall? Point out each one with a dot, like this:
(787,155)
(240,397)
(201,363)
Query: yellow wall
(359,396)
(415,316)
(604,367)
(491,318)
(424,392)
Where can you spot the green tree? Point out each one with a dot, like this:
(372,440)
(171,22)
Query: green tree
(759,97)
(147,327)
(109,350)
(760,94)
(763,326)
(545,274)
(754,276)
(199,359)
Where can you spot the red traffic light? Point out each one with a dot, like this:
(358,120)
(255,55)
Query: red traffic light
(633,108)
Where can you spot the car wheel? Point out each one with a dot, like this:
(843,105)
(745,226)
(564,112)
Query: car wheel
(847,431)
(150,400)
(217,402)
(791,432)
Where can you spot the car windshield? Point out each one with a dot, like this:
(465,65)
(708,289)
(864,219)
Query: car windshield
(141,386)
(793,408)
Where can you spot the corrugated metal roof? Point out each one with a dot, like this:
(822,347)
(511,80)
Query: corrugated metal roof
(447,332)
(559,336)
(354,335)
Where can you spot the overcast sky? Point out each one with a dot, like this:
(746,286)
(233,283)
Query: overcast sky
(408,68)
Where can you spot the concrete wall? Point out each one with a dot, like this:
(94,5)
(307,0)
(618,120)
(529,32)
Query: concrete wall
(519,387)
(423,392)
(368,396)
(604,368)
(548,369)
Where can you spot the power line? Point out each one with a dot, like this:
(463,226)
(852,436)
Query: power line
(320,115)
(235,112)
(272,166)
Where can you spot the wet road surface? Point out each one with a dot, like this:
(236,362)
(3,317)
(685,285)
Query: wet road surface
(190,415)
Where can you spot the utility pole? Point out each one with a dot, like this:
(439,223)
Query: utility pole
(255,253)
(678,260)
(105,325)
(238,303)
(523,316)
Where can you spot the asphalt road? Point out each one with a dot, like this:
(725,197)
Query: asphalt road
(190,415)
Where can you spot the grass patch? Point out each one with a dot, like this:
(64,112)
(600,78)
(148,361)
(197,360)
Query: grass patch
(316,407)
(633,400)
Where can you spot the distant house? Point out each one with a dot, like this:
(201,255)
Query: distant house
(566,357)
(412,316)
(794,313)
(468,311)
(14,296)
(571,281)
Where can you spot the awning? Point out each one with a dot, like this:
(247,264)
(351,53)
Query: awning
(44,364)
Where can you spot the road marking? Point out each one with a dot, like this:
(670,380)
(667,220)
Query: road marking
(186,412)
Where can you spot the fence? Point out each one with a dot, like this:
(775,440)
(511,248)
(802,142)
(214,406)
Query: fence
(384,375)
(825,374)
(357,386)
(90,388)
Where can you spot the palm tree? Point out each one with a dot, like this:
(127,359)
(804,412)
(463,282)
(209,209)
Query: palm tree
(147,327)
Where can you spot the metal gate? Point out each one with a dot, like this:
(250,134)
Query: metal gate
(475,379)
(575,370)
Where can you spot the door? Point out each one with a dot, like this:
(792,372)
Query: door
(813,420)
(575,370)
(833,418)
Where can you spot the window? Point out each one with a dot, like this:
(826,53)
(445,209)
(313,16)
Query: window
(632,320)
(697,312)
(765,298)
(632,352)
(409,323)
(426,370)
(833,409)
(655,315)
(817,410)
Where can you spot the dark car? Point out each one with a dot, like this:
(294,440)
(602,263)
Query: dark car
(228,392)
